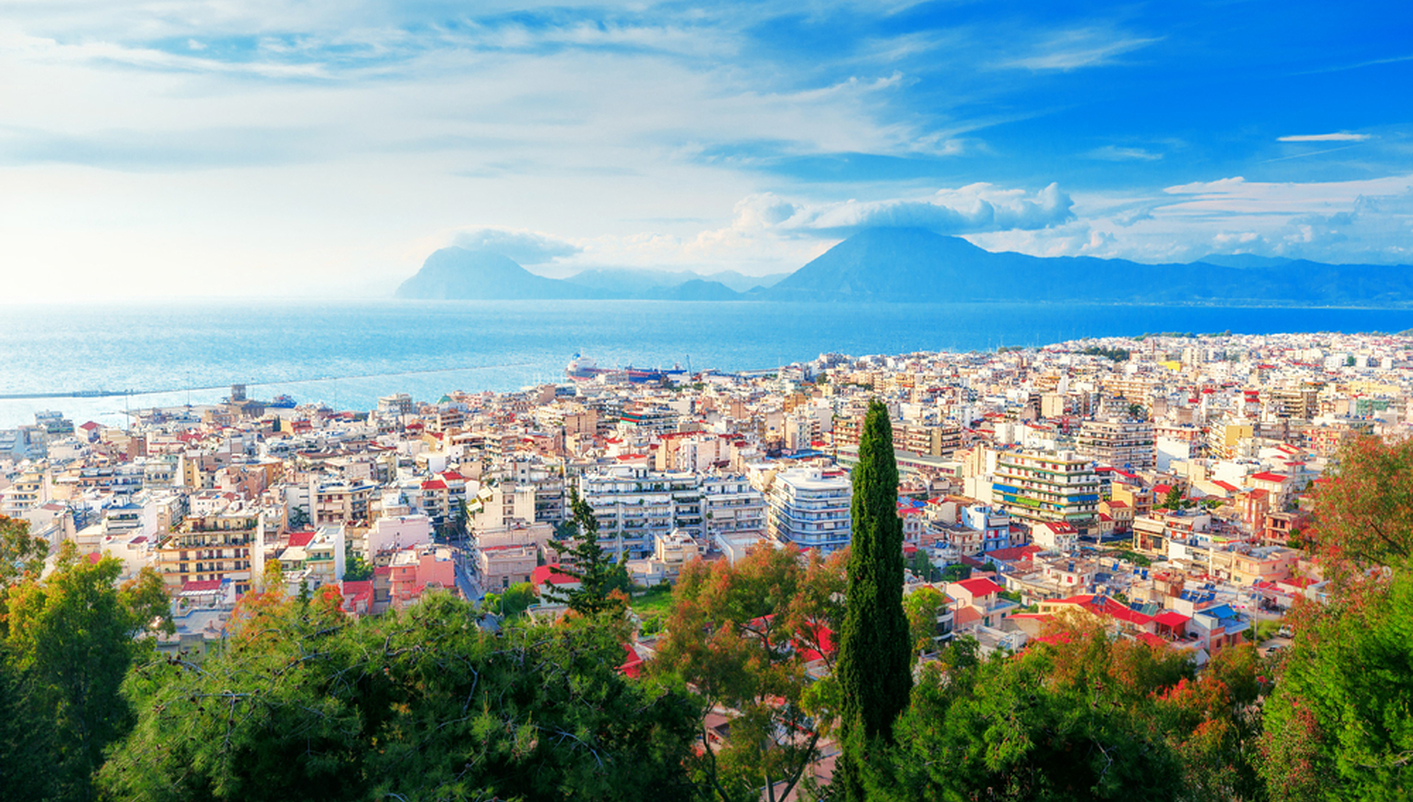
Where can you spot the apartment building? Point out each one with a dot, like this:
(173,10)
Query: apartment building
(633,505)
(209,548)
(732,507)
(809,508)
(1117,442)
(1041,487)
(340,502)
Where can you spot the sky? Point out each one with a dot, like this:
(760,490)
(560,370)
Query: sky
(175,148)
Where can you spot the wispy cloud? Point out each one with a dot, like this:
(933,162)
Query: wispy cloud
(1358,65)
(1082,47)
(1114,153)
(1340,137)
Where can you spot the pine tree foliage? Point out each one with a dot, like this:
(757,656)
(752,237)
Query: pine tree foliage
(70,641)
(418,704)
(875,647)
(603,582)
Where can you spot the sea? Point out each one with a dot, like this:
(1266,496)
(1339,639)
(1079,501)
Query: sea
(346,354)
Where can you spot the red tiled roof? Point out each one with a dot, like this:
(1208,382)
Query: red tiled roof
(300,538)
(966,615)
(1267,476)
(979,587)
(1013,553)
(1153,640)
(825,638)
(1083,600)
(204,586)
(632,664)
(552,575)
(1114,609)
(1171,618)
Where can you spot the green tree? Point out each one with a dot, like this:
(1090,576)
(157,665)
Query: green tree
(419,704)
(921,564)
(1213,724)
(742,636)
(512,603)
(1173,500)
(73,637)
(20,554)
(298,518)
(1337,724)
(875,651)
(922,606)
(27,744)
(1364,513)
(1068,719)
(603,582)
(956,572)
(356,569)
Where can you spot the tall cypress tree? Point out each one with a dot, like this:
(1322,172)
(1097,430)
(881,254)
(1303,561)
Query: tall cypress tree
(874,652)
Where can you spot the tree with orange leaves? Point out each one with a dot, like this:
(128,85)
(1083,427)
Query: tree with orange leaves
(744,637)
(1338,725)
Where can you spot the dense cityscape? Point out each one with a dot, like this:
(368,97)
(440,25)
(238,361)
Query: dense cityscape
(1158,488)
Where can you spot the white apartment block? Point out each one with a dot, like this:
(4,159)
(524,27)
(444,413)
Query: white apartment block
(809,508)
(633,505)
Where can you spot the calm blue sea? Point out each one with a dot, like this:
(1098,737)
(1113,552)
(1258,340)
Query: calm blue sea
(349,353)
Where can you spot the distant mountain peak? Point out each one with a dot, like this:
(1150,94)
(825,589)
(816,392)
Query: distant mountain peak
(917,265)
(456,273)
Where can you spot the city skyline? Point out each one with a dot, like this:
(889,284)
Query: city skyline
(283,149)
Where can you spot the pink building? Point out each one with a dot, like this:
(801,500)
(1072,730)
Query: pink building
(417,570)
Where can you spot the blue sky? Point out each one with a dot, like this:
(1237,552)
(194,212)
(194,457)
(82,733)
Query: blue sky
(261,147)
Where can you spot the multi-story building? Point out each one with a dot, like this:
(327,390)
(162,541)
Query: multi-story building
(1293,402)
(929,439)
(317,561)
(30,490)
(340,502)
(1117,442)
(504,565)
(1039,487)
(993,523)
(809,508)
(209,548)
(732,507)
(936,440)
(633,505)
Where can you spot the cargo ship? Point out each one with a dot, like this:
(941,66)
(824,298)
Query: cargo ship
(583,368)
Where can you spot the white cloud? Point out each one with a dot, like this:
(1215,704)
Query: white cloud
(1368,221)
(1325,138)
(525,247)
(1080,47)
(1114,153)
(970,209)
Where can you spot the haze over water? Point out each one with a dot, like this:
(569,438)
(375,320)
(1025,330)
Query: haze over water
(347,354)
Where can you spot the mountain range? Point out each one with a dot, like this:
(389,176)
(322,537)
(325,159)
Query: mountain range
(915,265)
